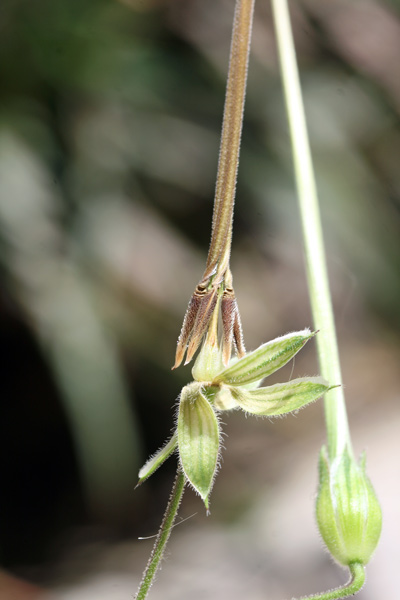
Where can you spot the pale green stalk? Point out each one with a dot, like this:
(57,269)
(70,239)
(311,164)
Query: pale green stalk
(335,408)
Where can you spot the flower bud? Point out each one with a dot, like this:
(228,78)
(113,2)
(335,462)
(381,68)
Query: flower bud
(348,513)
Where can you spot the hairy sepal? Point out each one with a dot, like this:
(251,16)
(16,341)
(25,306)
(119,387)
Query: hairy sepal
(198,439)
(264,361)
(158,459)
(281,398)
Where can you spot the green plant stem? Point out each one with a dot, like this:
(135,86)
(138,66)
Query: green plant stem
(335,408)
(162,536)
(355,584)
(221,235)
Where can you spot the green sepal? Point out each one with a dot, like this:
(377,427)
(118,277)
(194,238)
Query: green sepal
(281,398)
(198,439)
(264,361)
(157,459)
(348,513)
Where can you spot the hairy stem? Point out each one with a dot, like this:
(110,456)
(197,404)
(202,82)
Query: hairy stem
(162,536)
(221,235)
(335,408)
(357,580)
(217,273)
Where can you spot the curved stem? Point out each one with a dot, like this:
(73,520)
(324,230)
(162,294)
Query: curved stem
(355,584)
(335,408)
(162,536)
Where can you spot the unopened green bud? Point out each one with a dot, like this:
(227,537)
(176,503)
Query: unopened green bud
(198,439)
(348,513)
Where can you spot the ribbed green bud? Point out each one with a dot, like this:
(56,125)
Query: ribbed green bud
(348,513)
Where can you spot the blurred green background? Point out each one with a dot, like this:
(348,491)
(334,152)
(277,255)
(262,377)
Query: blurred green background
(110,115)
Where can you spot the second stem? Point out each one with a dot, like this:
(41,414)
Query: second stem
(321,304)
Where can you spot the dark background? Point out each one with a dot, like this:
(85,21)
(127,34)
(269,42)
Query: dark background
(110,115)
